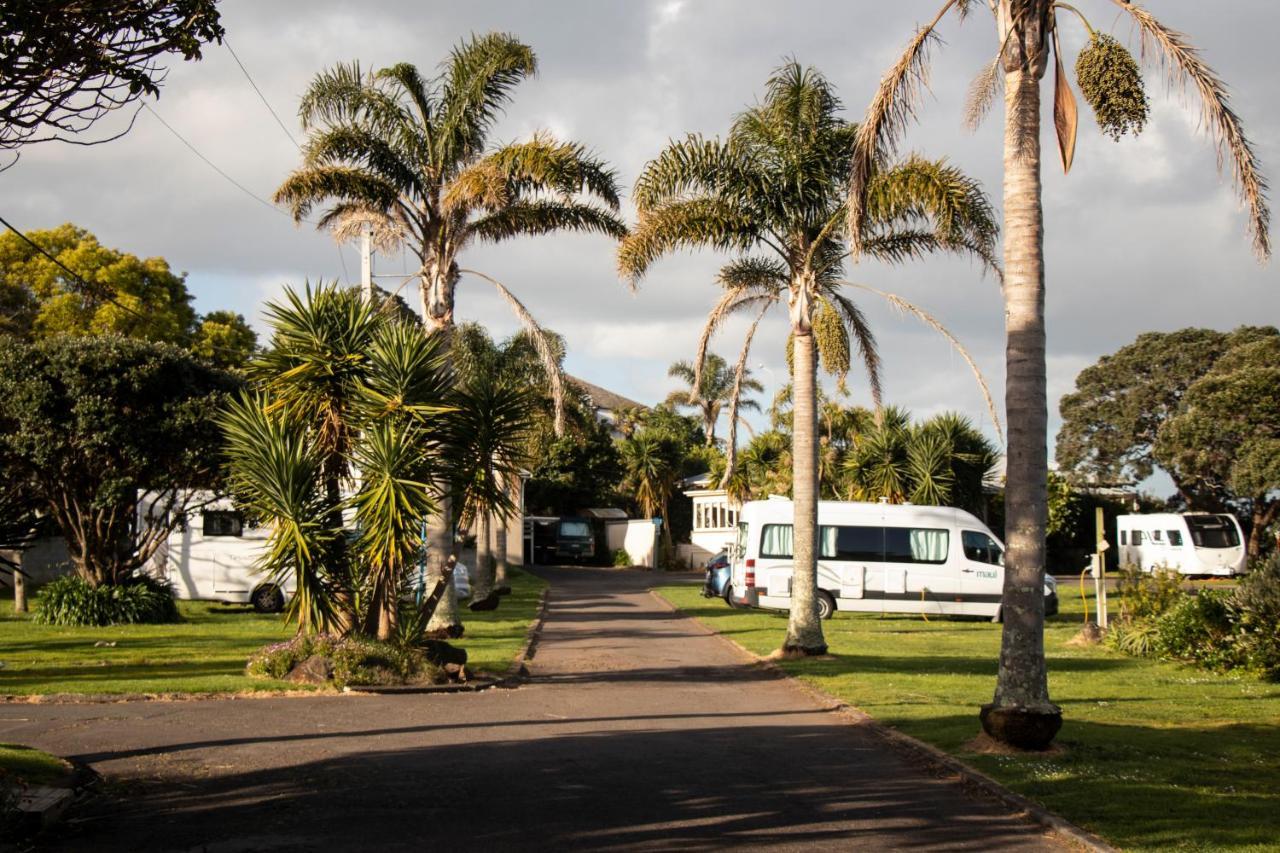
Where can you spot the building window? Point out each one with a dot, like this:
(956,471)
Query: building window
(223,523)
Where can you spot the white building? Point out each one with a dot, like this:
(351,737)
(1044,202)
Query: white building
(715,521)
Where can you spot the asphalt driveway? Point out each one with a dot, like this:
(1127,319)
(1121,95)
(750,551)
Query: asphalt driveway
(637,730)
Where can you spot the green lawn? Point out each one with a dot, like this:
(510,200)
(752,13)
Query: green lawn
(207,652)
(31,766)
(1155,755)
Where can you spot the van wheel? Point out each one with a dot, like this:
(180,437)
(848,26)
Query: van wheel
(826,605)
(267,599)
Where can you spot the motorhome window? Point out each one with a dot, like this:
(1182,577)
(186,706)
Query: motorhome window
(222,523)
(1212,531)
(915,545)
(575,528)
(776,541)
(854,543)
(981,548)
(1175,538)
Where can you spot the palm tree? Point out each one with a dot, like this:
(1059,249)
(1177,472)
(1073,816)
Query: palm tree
(408,156)
(650,464)
(342,383)
(1021,712)
(777,186)
(713,391)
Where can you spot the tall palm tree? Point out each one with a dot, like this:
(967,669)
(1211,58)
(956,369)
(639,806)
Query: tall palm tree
(409,156)
(711,390)
(777,187)
(1021,711)
(650,465)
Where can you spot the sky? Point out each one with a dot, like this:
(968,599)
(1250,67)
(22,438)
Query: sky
(1143,235)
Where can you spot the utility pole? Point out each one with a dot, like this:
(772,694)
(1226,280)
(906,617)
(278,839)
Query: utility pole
(366,262)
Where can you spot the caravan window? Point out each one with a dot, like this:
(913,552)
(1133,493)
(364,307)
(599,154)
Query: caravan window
(1137,537)
(1124,537)
(222,523)
(1212,531)
(981,548)
(1175,538)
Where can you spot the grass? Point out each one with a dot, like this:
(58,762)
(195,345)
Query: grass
(25,765)
(1154,756)
(207,652)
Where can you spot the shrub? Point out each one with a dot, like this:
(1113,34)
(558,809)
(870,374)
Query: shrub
(1256,608)
(71,601)
(621,559)
(1199,629)
(1148,595)
(1135,638)
(355,660)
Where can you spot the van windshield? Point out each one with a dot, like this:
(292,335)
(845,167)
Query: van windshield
(574,529)
(1212,531)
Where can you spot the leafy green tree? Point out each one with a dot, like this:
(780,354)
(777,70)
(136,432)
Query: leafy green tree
(96,427)
(713,392)
(777,187)
(409,156)
(1026,34)
(64,64)
(577,470)
(223,338)
(342,385)
(1227,430)
(1111,420)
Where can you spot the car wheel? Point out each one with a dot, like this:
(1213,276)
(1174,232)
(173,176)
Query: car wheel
(727,594)
(826,605)
(267,599)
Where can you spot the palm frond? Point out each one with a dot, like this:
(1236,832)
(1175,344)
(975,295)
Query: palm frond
(693,223)
(735,399)
(1182,63)
(309,186)
(864,339)
(544,217)
(476,84)
(730,303)
(755,274)
(890,111)
(691,165)
(982,92)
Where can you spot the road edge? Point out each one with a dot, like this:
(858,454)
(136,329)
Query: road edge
(517,671)
(920,750)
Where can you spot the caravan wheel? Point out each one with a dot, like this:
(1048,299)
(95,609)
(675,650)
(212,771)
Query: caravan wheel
(267,599)
(826,605)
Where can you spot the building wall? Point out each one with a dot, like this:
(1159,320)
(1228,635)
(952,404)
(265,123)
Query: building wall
(715,523)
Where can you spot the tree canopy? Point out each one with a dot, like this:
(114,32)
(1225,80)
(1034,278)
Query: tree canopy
(64,64)
(91,425)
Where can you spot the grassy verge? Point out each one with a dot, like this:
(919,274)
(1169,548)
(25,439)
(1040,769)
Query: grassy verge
(207,652)
(1154,755)
(22,764)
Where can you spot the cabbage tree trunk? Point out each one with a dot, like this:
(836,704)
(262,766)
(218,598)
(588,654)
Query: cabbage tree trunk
(482,580)
(439,548)
(804,628)
(1021,713)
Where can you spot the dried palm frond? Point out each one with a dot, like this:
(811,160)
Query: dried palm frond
(982,93)
(906,307)
(892,108)
(542,343)
(732,302)
(388,233)
(1181,62)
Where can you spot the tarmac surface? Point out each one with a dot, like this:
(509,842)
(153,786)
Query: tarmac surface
(638,730)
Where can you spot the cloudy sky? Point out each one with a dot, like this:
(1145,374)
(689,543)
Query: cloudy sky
(1143,235)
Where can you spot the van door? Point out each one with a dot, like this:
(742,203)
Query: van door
(981,572)
(776,563)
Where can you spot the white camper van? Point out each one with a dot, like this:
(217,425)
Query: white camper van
(878,558)
(212,556)
(1192,543)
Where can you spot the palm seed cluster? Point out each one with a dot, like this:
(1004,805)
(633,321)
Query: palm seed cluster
(1111,82)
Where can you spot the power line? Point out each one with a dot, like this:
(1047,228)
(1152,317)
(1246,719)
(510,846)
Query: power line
(261,96)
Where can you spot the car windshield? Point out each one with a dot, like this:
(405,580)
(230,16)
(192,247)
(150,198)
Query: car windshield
(574,529)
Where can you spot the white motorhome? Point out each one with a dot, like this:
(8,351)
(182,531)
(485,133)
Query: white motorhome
(878,558)
(1192,543)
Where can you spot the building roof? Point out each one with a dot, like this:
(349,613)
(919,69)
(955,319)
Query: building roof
(603,398)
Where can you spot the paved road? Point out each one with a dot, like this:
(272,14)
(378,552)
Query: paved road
(639,730)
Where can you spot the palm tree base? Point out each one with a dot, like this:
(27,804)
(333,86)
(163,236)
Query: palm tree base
(796,652)
(448,632)
(1021,728)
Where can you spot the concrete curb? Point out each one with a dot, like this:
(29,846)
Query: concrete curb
(919,751)
(517,672)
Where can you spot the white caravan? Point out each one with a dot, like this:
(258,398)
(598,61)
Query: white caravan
(877,558)
(1193,543)
(213,556)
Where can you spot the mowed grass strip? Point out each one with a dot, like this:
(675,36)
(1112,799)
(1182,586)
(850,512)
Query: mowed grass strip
(1154,756)
(23,765)
(206,653)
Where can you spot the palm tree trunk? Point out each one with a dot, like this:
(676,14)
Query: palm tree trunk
(1021,713)
(804,628)
(19,591)
(439,548)
(500,582)
(482,586)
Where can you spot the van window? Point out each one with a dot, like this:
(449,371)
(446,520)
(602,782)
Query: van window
(776,541)
(915,545)
(575,529)
(1175,538)
(222,523)
(854,543)
(981,548)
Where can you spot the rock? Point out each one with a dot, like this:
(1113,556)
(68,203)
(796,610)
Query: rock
(316,669)
(1021,727)
(489,602)
(502,590)
(451,632)
(442,654)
